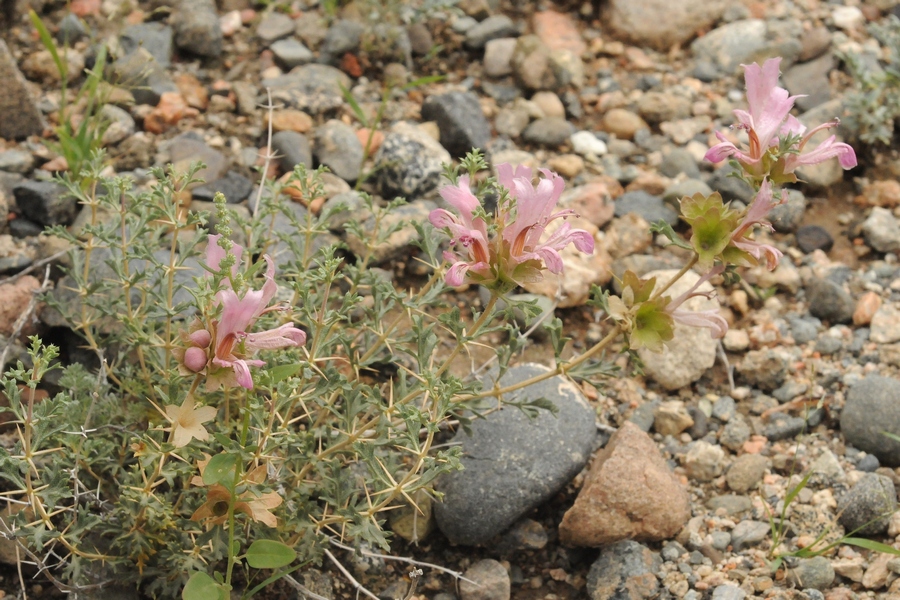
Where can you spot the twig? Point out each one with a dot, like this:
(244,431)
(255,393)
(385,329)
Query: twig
(34,266)
(729,369)
(403,559)
(268,158)
(303,589)
(23,319)
(359,587)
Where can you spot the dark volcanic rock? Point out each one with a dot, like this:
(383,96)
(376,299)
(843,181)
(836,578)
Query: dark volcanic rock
(45,202)
(512,463)
(460,120)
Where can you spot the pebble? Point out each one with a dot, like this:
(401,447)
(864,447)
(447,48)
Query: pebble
(275,26)
(873,407)
(491,581)
(197,28)
(673,23)
(746,472)
(409,163)
(291,149)
(786,217)
(235,187)
(631,493)
(812,237)
(622,123)
(866,308)
(16,161)
(885,324)
(21,116)
(735,433)
(493,28)
(338,148)
(45,202)
(490,494)
(728,592)
(460,120)
(650,207)
(748,533)
(14,298)
(313,88)
(586,143)
(815,573)
(548,131)
(704,461)
(867,508)
(156,38)
(291,53)
(498,55)
(881,230)
(732,504)
(829,301)
(626,571)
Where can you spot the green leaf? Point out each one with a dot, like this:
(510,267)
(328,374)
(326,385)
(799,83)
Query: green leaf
(666,229)
(871,545)
(269,554)
(48,43)
(202,587)
(220,469)
(282,372)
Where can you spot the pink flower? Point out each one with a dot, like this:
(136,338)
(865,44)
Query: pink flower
(767,120)
(223,347)
(711,319)
(756,215)
(466,230)
(535,208)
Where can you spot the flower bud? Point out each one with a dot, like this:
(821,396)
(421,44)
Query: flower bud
(200,338)
(195,358)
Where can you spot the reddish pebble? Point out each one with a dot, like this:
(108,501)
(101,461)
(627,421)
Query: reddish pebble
(83,8)
(377,137)
(350,65)
(247,16)
(866,307)
(170,110)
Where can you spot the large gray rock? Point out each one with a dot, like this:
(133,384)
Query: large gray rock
(292,149)
(829,301)
(867,508)
(338,148)
(461,122)
(313,88)
(46,202)
(871,410)
(20,115)
(672,23)
(197,28)
(512,463)
(409,163)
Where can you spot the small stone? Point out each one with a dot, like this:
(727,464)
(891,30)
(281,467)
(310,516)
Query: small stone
(650,207)
(291,120)
(630,493)
(291,53)
(156,38)
(493,28)
(292,149)
(866,308)
(885,324)
(730,503)
(498,55)
(274,26)
(703,461)
(567,165)
(746,472)
(867,508)
(622,123)
(848,18)
(16,161)
(197,28)
(491,581)
(45,202)
(548,131)
(672,418)
(673,23)
(625,571)
(144,76)
(234,186)
(420,39)
(735,433)
(338,148)
(14,298)
(728,592)
(409,162)
(816,573)
(313,88)
(21,117)
(829,301)
(678,161)
(813,237)
(460,119)
(747,532)
(586,143)
(786,217)
(558,31)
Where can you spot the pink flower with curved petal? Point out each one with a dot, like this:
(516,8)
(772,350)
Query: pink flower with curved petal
(756,214)
(710,319)
(466,230)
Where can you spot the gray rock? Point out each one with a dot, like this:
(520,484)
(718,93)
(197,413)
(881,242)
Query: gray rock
(292,149)
(787,217)
(829,301)
(810,80)
(703,461)
(731,188)
(785,427)
(492,28)
(651,208)
(881,230)
(46,202)
(746,472)
(548,131)
(338,148)
(868,463)
(511,121)
(812,237)
(512,463)
(827,345)
(71,30)
(291,53)
(460,120)
(146,78)
(673,23)
(154,37)
(197,28)
(679,161)
(420,39)
(687,188)
(624,571)
(867,508)
(734,434)
(731,45)
(21,116)
(724,408)
(342,37)
(672,551)
(409,163)
(234,186)
(789,391)
(644,415)
(313,88)
(764,369)
(804,329)
(189,148)
(732,504)
(274,26)
(16,161)
(815,573)
(498,55)
(491,581)
(727,591)
(747,532)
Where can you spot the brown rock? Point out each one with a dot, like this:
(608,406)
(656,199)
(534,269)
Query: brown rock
(558,31)
(622,123)
(866,307)
(884,193)
(14,298)
(170,110)
(193,91)
(592,201)
(630,493)
(21,116)
(291,120)
(671,418)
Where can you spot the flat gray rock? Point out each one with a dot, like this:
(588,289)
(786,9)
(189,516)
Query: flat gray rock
(873,408)
(512,463)
(314,88)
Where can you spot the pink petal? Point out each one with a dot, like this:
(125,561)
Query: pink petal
(710,319)
(830,148)
(284,336)
(456,274)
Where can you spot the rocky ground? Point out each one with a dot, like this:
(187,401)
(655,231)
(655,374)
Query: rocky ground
(622,99)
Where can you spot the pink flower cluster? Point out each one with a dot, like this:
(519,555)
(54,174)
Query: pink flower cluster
(518,251)
(222,349)
(768,121)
